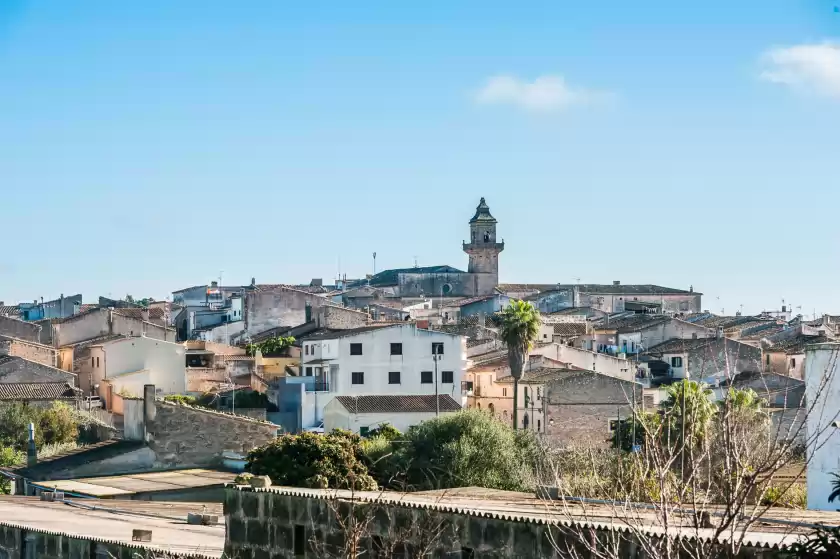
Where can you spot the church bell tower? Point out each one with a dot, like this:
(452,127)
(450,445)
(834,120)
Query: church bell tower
(483,248)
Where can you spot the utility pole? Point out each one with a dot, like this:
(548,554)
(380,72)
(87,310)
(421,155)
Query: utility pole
(435,357)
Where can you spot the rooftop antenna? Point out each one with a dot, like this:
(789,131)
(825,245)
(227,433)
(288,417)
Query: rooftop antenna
(374,263)
(415,261)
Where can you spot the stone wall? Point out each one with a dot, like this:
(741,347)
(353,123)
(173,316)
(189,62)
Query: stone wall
(14,328)
(278,306)
(184,436)
(268,523)
(31,351)
(289,523)
(16,543)
(340,318)
(578,408)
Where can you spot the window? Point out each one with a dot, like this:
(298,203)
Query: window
(394,377)
(97,361)
(447,377)
(306,350)
(539,425)
(504,392)
(300,539)
(358,378)
(793,362)
(309,371)
(539,396)
(93,361)
(676,362)
(396,349)
(545,336)
(768,359)
(426,377)
(437,348)
(355,349)
(364,431)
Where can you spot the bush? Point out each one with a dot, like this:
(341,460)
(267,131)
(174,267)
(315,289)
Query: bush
(334,460)
(57,424)
(793,496)
(386,431)
(468,448)
(180,399)
(9,458)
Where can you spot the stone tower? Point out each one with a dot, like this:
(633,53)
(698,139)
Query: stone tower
(483,249)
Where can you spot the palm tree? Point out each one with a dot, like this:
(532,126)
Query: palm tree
(835,488)
(519,329)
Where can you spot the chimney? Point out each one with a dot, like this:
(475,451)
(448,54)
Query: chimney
(616,282)
(691,289)
(149,410)
(784,308)
(253,282)
(31,451)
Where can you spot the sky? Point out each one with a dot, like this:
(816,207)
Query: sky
(150,146)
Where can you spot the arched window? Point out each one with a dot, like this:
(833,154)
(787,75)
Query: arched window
(486,237)
(525,421)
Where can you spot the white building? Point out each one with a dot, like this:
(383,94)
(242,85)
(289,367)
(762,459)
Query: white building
(822,396)
(360,414)
(127,364)
(390,360)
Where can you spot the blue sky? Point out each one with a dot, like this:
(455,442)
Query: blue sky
(147,146)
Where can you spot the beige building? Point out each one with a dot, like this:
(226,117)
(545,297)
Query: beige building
(100,322)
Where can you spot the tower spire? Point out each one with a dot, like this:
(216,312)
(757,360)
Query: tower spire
(483,249)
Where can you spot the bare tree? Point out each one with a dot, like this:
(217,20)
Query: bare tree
(698,485)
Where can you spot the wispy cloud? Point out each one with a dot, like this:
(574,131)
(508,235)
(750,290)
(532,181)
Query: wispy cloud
(812,68)
(546,93)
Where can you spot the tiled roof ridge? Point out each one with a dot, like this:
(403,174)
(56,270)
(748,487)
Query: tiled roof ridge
(27,342)
(38,363)
(475,512)
(214,412)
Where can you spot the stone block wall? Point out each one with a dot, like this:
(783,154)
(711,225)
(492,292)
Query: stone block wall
(288,523)
(275,523)
(183,436)
(31,351)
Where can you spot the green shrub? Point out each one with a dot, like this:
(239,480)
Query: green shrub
(55,424)
(794,496)
(468,448)
(9,457)
(180,399)
(334,460)
(386,430)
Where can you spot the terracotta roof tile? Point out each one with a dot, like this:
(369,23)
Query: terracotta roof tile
(37,391)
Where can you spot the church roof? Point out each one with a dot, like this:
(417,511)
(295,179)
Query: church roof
(391,277)
(482,214)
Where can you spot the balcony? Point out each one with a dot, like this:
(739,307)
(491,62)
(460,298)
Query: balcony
(478,245)
(311,384)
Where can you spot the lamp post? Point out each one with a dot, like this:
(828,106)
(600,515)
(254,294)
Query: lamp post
(435,357)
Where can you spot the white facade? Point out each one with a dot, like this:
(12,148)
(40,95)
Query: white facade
(394,360)
(337,416)
(130,363)
(822,395)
